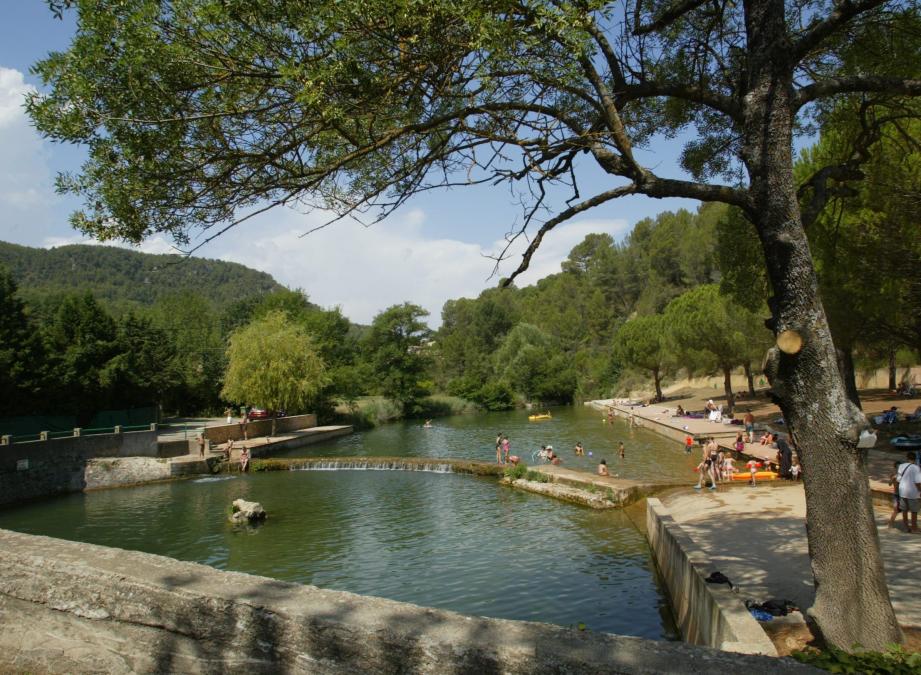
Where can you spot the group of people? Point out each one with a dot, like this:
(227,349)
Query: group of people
(715,465)
(226,451)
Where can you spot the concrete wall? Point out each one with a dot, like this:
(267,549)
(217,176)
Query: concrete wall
(224,432)
(72,607)
(42,468)
(707,614)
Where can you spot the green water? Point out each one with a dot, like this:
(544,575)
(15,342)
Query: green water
(648,455)
(442,540)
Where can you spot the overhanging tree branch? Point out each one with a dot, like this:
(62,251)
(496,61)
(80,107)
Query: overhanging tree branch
(850,85)
(823,28)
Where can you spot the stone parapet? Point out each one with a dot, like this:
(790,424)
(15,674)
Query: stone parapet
(707,614)
(73,607)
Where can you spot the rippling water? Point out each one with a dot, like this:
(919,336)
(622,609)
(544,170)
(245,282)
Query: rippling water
(442,540)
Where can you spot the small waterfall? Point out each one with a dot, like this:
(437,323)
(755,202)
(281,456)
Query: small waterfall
(372,465)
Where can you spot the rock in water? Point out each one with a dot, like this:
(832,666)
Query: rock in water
(243,511)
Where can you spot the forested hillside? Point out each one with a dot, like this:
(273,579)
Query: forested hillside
(122,279)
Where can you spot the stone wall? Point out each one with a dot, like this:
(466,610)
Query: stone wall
(107,472)
(224,432)
(43,468)
(72,607)
(707,614)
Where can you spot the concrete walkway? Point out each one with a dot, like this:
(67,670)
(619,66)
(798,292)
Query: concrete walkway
(757,537)
(662,420)
(258,446)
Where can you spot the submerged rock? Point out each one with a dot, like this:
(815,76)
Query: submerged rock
(243,511)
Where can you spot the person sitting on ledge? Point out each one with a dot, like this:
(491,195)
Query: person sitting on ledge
(244,459)
(679,412)
(603,468)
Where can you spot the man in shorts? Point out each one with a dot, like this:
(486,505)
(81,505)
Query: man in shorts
(909,477)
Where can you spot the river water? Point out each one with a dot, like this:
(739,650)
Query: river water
(443,540)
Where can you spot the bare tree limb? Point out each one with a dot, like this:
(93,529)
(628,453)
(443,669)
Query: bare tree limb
(669,16)
(563,217)
(850,85)
(822,28)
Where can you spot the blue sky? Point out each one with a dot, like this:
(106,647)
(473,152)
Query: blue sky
(433,249)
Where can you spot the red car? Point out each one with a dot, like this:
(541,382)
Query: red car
(263,414)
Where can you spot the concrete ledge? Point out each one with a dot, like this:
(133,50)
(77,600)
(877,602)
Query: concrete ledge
(566,493)
(72,607)
(224,432)
(707,614)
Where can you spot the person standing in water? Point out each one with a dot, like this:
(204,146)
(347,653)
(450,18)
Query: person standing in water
(622,450)
(506,447)
(499,448)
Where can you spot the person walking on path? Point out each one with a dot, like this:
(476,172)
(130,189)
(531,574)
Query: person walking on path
(749,421)
(909,476)
(201,444)
(894,484)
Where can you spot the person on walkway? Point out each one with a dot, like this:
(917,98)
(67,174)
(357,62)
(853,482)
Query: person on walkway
(244,423)
(688,444)
(796,469)
(622,451)
(785,456)
(909,476)
(603,468)
(228,449)
(894,483)
(705,468)
(228,413)
(749,421)
(752,465)
(244,459)
(201,444)
(739,444)
(718,465)
(499,448)
(728,467)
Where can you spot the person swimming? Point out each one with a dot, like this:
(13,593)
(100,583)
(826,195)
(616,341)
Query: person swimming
(603,468)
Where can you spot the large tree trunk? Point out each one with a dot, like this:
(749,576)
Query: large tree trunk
(727,388)
(846,366)
(750,376)
(892,371)
(852,601)
(658,379)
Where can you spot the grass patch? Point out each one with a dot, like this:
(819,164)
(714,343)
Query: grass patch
(894,660)
(517,471)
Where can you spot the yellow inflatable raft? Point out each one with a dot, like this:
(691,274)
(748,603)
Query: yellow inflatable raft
(540,416)
(759,475)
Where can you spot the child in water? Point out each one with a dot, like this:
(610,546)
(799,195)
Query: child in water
(603,468)
(621,450)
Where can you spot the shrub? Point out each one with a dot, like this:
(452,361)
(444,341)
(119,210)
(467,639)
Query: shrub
(537,477)
(517,471)
(894,660)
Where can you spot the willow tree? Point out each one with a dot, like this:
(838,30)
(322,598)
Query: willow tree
(201,113)
(273,362)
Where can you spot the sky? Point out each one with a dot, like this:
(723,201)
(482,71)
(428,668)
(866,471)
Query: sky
(435,248)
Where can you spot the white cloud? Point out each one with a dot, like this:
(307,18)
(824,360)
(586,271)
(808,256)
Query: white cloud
(365,270)
(155,245)
(26,191)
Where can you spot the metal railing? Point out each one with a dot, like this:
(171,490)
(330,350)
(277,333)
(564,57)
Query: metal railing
(77,432)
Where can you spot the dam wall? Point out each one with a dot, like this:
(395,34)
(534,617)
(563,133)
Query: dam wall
(74,607)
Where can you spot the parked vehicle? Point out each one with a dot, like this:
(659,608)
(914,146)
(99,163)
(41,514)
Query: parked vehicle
(263,414)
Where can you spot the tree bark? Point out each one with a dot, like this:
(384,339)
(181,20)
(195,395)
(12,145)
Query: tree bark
(658,379)
(852,600)
(846,366)
(893,375)
(750,376)
(727,387)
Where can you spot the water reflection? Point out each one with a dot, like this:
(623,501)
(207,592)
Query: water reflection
(449,541)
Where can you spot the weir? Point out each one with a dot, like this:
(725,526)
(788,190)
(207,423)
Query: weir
(422,464)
